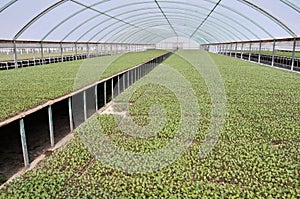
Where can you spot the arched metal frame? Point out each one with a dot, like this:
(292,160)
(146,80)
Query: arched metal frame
(146,9)
(169,20)
(151,24)
(187,4)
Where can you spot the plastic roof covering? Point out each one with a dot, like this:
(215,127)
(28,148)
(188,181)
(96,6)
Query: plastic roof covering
(148,21)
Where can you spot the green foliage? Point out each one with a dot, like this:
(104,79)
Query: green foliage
(25,88)
(257,155)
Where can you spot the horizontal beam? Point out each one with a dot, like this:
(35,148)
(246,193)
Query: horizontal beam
(53,42)
(262,41)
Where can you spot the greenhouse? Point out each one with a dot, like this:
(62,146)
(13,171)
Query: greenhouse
(150,99)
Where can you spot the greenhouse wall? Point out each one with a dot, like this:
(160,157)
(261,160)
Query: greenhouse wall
(282,53)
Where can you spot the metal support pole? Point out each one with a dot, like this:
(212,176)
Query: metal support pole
(242,50)
(293,55)
(119,85)
(84,106)
(42,53)
(97,49)
(61,52)
(76,51)
(96,97)
(88,50)
(250,51)
(236,45)
(105,95)
(259,53)
(230,50)
(51,131)
(273,52)
(24,144)
(15,54)
(112,88)
(128,77)
(137,74)
(123,79)
(70,114)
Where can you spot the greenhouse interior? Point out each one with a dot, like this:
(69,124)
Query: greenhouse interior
(150,99)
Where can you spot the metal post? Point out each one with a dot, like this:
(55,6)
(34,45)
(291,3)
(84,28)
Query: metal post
(51,131)
(128,77)
(273,52)
(42,53)
(236,45)
(242,50)
(118,84)
(105,93)
(15,54)
(88,50)
(112,88)
(76,51)
(97,49)
(61,52)
(24,144)
(293,55)
(259,53)
(33,56)
(70,114)
(84,106)
(134,75)
(250,51)
(96,97)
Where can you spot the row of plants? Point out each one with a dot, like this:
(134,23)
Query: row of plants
(4,57)
(24,88)
(256,155)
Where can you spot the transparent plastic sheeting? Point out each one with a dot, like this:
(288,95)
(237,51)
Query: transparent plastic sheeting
(148,21)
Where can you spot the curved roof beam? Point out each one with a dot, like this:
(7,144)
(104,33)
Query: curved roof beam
(211,36)
(158,40)
(129,12)
(230,9)
(138,20)
(112,17)
(7,5)
(151,22)
(148,38)
(213,28)
(133,33)
(194,18)
(224,16)
(32,21)
(229,18)
(291,5)
(201,24)
(49,9)
(163,13)
(271,17)
(94,17)
(68,18)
